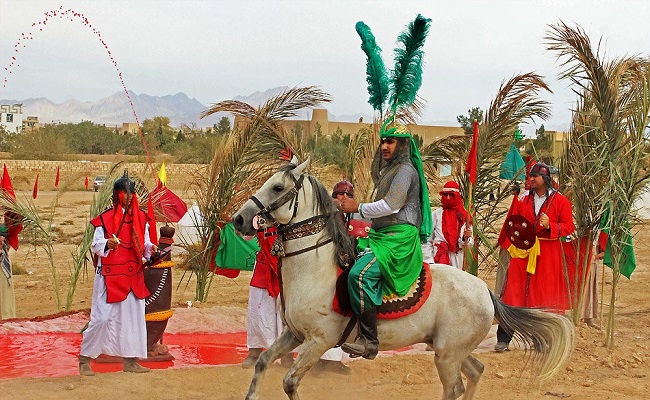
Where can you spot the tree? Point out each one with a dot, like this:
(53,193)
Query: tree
(43,144)
(543,141)
(223,127)
(467,123)
(4,145)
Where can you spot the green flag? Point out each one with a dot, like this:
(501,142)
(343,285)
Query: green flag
(234,252)
(627,262)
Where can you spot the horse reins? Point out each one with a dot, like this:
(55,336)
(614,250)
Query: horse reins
(292,195)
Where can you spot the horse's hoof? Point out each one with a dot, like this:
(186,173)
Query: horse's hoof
(501,347)
(336,367)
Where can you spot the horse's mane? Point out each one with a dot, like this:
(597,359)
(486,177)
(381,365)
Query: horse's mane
(323,205)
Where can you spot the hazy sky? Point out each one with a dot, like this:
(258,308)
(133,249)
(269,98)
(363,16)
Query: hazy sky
(215,50)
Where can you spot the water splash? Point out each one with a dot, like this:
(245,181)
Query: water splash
(72,16)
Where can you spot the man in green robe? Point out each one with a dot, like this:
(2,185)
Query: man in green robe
(390,259)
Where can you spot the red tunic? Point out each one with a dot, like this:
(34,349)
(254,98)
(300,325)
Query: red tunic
(547,287)
(265,274)
(122,269)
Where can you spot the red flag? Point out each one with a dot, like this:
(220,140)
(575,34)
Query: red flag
(6,183)
(286,154)
(58,176)
(471,164)
(172,206)
(153,233)
(35,191)
(12,220)
(86,182)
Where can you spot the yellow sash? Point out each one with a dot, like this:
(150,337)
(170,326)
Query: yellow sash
(531,253)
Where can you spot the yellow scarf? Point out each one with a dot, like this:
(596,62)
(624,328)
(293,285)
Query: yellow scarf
(531,253)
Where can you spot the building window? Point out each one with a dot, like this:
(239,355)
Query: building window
(10,118)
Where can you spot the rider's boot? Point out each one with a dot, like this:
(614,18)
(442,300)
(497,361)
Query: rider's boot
(251,359)
(84,366)
(366,344)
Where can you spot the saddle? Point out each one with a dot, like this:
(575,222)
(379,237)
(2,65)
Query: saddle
(392,307)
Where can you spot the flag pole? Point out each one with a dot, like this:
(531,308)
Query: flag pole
(471,167)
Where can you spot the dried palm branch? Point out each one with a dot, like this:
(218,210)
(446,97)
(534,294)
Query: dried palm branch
(240,163)
(40,229)
(615,99)
(363,156)
(356,151)
(516,101)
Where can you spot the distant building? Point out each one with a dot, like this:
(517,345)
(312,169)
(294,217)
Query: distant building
(320,123)
(11,117)
(31,124)
(130,127)
(557,143)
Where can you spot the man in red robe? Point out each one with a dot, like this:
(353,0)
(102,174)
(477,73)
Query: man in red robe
(536,276)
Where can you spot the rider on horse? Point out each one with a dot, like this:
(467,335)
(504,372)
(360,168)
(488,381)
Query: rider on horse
(390,259)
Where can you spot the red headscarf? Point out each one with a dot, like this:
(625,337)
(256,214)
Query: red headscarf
(138,226)
(453,214)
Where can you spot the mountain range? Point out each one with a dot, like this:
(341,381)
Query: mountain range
(180,108)
(116,109)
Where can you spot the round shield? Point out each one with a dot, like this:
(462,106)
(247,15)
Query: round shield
(358,228)
(520,231)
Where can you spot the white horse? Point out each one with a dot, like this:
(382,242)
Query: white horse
(454,319)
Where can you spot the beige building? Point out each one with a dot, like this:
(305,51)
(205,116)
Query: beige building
(31,124)
(130,127)
(320,122)
(557,145)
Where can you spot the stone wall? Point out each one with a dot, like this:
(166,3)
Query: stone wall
(73,173)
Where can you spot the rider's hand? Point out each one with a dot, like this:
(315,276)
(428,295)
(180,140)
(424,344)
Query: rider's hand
(349,205)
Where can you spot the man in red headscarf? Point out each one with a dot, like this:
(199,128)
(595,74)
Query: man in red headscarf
(117,324)
(451,231)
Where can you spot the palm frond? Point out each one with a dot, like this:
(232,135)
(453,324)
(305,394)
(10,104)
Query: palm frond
(609,133)
(240,163)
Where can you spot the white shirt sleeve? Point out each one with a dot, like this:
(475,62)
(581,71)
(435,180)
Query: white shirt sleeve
(147,242)
(98,245)
(379,208)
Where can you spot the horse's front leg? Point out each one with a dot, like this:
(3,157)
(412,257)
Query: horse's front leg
(282,345)
(310,353)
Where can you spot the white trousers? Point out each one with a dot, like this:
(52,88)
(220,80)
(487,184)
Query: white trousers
(264,324)
(116,329)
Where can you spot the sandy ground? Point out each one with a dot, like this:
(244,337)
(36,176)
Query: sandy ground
(594,372)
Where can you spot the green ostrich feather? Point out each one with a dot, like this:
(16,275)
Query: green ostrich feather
(376,75)
(407,75)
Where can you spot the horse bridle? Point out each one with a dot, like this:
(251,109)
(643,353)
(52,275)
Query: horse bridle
(292,195)
(290,231)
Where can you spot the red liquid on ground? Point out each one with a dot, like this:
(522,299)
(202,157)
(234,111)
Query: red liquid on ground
(53,354)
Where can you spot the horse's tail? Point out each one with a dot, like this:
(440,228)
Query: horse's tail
(550,336)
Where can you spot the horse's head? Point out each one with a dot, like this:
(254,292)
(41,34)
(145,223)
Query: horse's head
(275,201)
